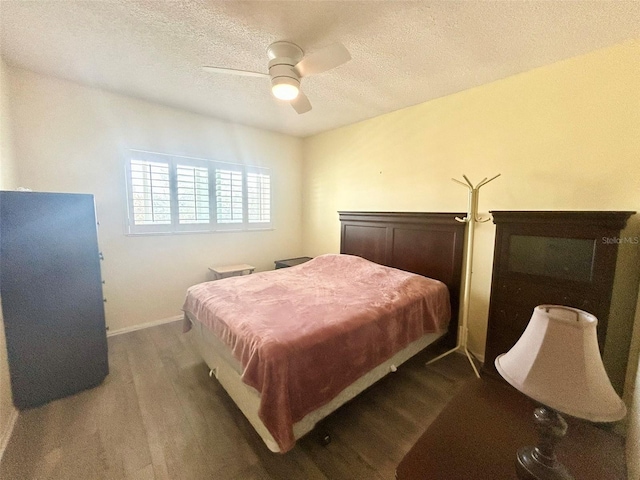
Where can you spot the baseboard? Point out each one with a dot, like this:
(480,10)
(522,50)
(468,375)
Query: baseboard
(6,435)
(477,356)
(144,325)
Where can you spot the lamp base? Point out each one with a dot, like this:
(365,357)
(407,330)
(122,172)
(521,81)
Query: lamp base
(540,463)
(529,467)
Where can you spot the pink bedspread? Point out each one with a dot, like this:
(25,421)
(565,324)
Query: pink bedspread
(303,334)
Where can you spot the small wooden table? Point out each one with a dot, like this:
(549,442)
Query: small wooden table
(225,271)
(478,433)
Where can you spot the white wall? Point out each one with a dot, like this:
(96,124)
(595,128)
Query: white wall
(7,162)
(7,182)
(71,138)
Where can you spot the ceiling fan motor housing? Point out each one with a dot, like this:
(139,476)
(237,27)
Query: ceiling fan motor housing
(285,49)
(283,71)
(283,57)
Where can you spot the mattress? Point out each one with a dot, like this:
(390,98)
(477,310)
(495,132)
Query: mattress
(301,336)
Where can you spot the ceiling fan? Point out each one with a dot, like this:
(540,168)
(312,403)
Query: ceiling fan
(288,65)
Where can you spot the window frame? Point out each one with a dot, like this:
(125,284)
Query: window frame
(214,225)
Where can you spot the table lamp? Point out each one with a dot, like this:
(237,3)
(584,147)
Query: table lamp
(557,363)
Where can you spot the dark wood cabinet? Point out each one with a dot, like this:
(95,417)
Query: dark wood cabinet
(477,435)
(51,291)
(550,257)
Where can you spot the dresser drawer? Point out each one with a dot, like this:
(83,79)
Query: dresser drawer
(531,294)
(510,317)
(507,321)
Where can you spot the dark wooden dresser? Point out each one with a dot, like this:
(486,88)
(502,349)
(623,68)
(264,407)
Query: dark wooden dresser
(550,257)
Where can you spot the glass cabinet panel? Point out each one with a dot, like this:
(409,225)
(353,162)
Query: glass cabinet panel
(564,258)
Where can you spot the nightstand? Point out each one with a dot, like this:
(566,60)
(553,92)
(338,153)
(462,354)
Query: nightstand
(291,262)
(231,270)
(481,428)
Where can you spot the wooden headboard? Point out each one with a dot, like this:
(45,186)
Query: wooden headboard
(429,244)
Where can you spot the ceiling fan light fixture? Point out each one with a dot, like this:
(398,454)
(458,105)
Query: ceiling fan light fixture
(285,88)
(287,65)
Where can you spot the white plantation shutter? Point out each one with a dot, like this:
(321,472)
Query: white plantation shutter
(170,194)
(258,197)
(229,197)
(150,192)
(193,194)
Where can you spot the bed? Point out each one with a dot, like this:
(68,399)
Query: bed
(291,346)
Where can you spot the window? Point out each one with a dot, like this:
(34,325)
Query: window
(150,192)
(193,194)
(169,194)
(258,197)
(229,198)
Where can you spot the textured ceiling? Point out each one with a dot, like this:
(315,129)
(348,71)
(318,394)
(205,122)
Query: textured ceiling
(404,53)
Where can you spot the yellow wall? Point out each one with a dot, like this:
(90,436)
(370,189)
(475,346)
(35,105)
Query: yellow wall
(564,137)
(7,182)
(632,397)
(71,138)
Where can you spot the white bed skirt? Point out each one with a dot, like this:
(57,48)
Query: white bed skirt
(228,372)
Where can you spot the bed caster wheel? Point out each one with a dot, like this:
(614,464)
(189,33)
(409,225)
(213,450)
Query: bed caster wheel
(325,439)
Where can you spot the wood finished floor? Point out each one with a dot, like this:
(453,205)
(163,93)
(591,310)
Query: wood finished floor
(158,415)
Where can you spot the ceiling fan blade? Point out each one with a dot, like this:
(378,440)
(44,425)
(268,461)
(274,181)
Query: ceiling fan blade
(301,103)
(233,71)
(323,60)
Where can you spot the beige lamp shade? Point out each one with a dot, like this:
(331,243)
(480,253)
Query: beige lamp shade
(556,362)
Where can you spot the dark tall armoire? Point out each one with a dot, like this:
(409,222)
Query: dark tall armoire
(51,291)
(551,257)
